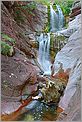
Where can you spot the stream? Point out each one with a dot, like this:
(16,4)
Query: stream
(36,109)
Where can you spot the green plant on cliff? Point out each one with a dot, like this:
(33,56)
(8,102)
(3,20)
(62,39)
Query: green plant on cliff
(18,16)
(7,38)
(30,6)
(20,11)
(47,27)
(6,49)
(45,2)
(52,51)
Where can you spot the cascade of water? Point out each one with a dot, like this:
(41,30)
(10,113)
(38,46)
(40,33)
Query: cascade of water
(44,46)
(56,23)
(53,20)
(60,17)
(56,20)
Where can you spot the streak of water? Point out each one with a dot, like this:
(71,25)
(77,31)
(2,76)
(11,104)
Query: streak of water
(44,56)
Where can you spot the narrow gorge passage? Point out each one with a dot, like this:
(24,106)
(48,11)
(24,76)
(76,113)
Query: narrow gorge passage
(39,109)
(40,60)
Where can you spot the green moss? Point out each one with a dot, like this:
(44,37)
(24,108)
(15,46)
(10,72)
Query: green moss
(6,37)
(54,40)
(6,49)
(60,37)
(47,27)
(19,17)
(52,51)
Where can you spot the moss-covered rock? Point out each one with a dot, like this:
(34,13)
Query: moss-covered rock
(57,41)
(53,91)
(6,49)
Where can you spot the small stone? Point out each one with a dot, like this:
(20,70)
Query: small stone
(12,74)
(24,60)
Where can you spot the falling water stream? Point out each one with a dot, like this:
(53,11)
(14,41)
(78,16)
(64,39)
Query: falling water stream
(53,20)
(36,109)
(44,56)
(56,24)
(60,18)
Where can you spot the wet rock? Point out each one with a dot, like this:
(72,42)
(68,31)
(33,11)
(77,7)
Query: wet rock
(58,40)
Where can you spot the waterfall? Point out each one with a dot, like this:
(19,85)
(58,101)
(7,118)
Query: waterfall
(53,20)
(60,17)
(56,23)
(43,56)
(56,19)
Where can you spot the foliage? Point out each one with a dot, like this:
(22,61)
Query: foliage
(6,49)
(65,6)
(52,51)
(31,6)
(44,2)
(6,37)
(18,16)
(29,118)
(46,28)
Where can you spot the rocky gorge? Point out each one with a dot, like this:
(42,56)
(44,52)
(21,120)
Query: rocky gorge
(22,80)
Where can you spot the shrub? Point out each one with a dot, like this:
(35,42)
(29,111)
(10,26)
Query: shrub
(6,49)
(6,37)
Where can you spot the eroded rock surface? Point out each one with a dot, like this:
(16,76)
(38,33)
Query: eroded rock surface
(17,72)
(70,57)
(20,69)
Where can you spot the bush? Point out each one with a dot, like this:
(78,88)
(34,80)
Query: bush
(7,38)
(6,49)
(65,5)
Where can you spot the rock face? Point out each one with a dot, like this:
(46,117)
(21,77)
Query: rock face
(19,70)
(70,57)
(76,8)
(15,27)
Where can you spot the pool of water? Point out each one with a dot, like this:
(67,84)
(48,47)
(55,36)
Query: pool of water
(38,111)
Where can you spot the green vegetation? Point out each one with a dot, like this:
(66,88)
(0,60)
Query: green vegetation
(6,49)
(44,2)
(47,27)
(52,50)
(19,17)
(7,38)
(65,5)
(31,6)
(55,40)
